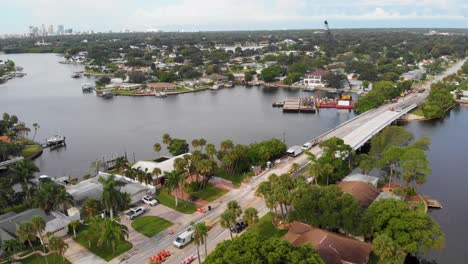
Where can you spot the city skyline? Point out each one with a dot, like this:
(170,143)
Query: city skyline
(208,15)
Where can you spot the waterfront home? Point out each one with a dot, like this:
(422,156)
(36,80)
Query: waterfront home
(124,86)
(362,178)
(315,79)
(164,166)
(92,188)
(161,86)
(239,77)
(363,192)
(56,223)
(333,248)
(214,78)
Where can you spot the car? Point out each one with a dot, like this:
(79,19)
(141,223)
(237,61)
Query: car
(307,146)
(147,199)
(134,212)
(398,109)
(238,226)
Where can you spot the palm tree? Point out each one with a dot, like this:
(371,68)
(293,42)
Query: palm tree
(155,173)
(228,219)
(111,198)
(39,226)
(36,127)
(201,143)
(113,233)
(26,232)
(64,200)
(205,167)
(201,233)
(234,206)
(23,172)
(121,164)
(58,245)
(172,183)
(250,216)
(211,151)
(73,225)
(91,206)
(167,139)
(195,143)
(157,147)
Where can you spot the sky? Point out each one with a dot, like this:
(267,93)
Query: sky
(207,15)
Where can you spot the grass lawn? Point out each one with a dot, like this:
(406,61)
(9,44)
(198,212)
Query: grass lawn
(265,228)
(179,90)
(52,258)
(210,193)
(418,205)
(121,91)
(150,225)
(235,179)
(105,251)
(30,151)
(168,200)
(418,111)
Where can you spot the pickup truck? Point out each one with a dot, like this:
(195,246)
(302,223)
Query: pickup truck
(134,212)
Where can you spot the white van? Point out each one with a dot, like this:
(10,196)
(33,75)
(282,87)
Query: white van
(183,239)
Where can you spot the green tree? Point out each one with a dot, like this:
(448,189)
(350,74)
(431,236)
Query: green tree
(51,195)
(389,136)
(23,172)
(172,183)
(178,146)
(167,139)
(36,127)
(91,207)
(157,147)
(113,233)
(391,158)
(387,250)
(73,225)
(228,219)
(250,248)
(250,216)
(111,198)
(234,207)
(201,234)
(270,73)
(415,166)
(366,163)
(39,226)
(26,233)
(10,248)
(334,79)
(414,231)
(327,207)
(58,245)
(211,151)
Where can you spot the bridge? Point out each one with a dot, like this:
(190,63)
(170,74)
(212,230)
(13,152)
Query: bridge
(354,132)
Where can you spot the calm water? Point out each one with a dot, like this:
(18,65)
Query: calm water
(95,127)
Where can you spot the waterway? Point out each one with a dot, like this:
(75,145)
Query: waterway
(95,127)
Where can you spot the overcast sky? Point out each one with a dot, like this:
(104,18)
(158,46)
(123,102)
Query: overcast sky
(141,15)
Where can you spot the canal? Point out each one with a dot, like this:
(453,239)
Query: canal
(96,127)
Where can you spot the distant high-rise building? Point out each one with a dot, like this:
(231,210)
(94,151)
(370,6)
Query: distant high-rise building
(60,30)
(69,31)
(43,30)
(51,30)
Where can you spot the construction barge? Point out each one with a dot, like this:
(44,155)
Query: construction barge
(299,104)
(341,102)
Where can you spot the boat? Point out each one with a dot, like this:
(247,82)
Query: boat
(55,140)
(76,75)
(107,94)
(160,94)
(309,89)
(87,87)
(215,87)
(326,103)
(19,74)
(345,102)
(278,104)
(230,84)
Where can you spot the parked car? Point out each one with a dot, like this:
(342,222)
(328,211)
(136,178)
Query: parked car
(134,212)
(307,146)
(147,199)
(183,239)
(238,226)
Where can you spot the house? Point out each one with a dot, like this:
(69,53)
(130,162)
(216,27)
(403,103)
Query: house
(161,86)
(214,78)
(362,178)
(92,188)
(239,77)
(164,166)
(333,248)
(124,86)
(56,223)
(385,195)
(363,192)
(315,79)
(5,139)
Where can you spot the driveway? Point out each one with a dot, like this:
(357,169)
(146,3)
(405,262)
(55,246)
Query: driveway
(77,254)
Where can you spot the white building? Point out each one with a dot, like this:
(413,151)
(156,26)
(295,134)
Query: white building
(315,79)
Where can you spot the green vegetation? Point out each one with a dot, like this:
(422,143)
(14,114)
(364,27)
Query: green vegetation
(439,100)
(209,193)
(265,228)
(52,258)
(249,248)
(31,151)
(270,73)
(413,231)
(235,179)
(150,225)
(381,92)
(100,245)
(124,92)
(418,111)
(180,90)
(166,199)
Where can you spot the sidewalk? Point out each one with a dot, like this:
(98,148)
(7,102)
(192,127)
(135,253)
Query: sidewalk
(78,254)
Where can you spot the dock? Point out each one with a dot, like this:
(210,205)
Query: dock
(297,104)
(433,203)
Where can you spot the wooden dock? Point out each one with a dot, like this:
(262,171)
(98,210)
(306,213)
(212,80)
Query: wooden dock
(433,203)
(297,104)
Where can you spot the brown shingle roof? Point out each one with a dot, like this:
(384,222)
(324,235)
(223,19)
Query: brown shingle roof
(363,192)
(5,139)
(332,247)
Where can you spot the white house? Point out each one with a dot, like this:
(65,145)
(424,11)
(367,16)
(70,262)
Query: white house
(315,79)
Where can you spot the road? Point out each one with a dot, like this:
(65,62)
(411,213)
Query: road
(351,132)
